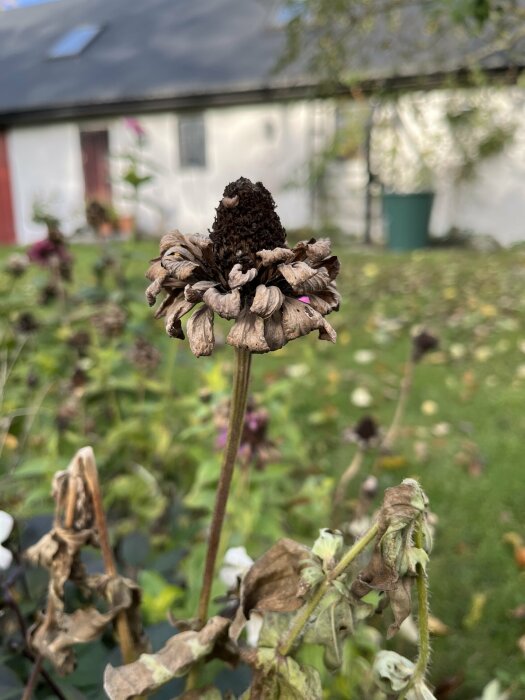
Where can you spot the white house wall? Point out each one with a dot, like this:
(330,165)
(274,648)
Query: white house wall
(45,165)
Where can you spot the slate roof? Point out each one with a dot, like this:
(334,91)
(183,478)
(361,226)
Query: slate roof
(153,54)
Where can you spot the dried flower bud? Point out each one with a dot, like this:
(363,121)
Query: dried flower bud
(365,433)
(17,264)
(423,343)
(144,355)
(245,272)
(369,487)
(80,342)
(26,323)
(110,321)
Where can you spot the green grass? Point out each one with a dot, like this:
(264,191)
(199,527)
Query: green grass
(473,475)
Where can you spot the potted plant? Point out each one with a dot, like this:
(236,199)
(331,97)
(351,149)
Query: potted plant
(419,139)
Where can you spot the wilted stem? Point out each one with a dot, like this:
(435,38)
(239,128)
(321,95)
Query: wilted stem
(33,678)
(125,637)
(422,605)
(241,382)
(304,615)
(404,391)
(350,472)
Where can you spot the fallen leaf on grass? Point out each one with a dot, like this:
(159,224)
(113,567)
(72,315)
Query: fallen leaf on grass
(151,671)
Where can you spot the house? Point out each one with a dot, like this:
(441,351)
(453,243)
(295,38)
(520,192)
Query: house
(188,91)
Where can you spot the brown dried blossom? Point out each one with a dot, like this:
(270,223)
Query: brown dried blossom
(423,343)
(244,271)
(144,355)
(110,321)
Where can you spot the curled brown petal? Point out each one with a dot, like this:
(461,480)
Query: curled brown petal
(175,312)
(248,333)
(155,270)
(181,269)
(238,278)
(170,239)
(200,332)
(266,300)
(195,292)
(273,331)
(318,250)
(316,283)
(300,319)
(154,289)
(226,305)
(326,301)
(276,255)
(193,243)
(296,273)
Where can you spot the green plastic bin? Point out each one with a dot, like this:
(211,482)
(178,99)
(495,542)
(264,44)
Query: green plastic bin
(406,219)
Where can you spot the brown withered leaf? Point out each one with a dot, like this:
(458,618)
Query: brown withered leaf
(391,568)
(151,671)
(272,584)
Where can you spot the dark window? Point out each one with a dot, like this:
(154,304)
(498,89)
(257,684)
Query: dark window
(192,141)
(95,163)
(74,42)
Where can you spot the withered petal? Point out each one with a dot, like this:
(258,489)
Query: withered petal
(332,266)
(154,289)
(326,301)
(226,305)
(266,300)
(273,331)
(238,278)
(296,273)
(320,280)
(300,319)
(181,269)
(200,332)
(318,250)
(155,270)
(194,243)
(276,255)
(175,312)
(248,332)
(195,292)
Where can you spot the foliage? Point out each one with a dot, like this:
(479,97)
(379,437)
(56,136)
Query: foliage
(153,431)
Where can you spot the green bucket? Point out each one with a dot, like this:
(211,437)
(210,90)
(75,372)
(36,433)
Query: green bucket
(406,219)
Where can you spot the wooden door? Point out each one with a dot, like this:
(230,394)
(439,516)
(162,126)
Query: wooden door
(95,162)
(7,226)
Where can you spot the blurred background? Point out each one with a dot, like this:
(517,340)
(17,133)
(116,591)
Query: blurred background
(393,126)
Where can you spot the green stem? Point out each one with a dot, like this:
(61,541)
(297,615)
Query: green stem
(241,382)
(304,615)
(422,605)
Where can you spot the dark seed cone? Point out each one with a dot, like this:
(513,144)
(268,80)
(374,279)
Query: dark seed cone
(246,222)
(422,344)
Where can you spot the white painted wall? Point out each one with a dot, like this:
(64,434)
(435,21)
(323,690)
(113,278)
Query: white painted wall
(272,143)
(45,164)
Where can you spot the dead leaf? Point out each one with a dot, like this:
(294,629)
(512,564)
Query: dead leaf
(273,583)
(151,671)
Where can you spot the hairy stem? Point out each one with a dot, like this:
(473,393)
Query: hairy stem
(241,382)
(306,612)
(404,391)
(125,637)
(423,611)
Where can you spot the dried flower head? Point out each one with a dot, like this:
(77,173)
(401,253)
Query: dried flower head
(53,252)
(245,272)
(423,343)
(26,323)
(144,355)
(110,321)
(365,433)
(17,264)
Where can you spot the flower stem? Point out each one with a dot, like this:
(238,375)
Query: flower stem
(241,382)
(404,390)
(33,679)
(306,612)
(423,611)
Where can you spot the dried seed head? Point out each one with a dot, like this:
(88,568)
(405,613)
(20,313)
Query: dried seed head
(423,343)
(246,222)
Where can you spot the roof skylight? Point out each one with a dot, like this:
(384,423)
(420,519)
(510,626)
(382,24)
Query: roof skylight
(75,41)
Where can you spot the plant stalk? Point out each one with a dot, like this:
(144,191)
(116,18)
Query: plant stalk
(423,610)
(241,381)
(302,618)
(125,637)
(350,473)
(404,391)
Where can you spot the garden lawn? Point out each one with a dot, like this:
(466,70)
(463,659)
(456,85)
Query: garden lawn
(462,435)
